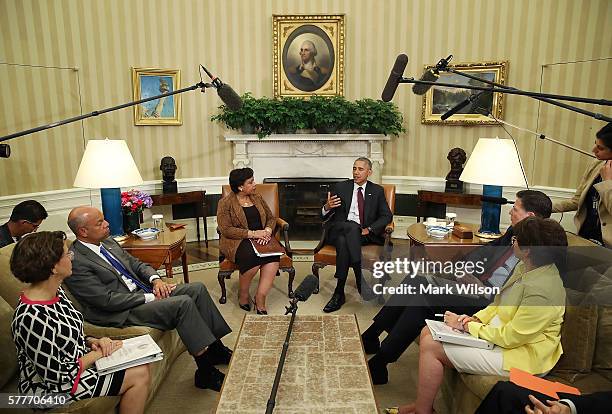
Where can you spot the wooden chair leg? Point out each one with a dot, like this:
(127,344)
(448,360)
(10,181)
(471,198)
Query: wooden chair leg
(315,271)
(223,274)
(291,273)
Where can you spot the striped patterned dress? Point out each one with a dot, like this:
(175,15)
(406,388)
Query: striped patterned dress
(50,343)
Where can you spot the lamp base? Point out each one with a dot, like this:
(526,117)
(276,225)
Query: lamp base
(490,215)
(111,207)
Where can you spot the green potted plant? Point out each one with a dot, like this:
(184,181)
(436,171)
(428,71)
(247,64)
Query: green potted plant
(377,117)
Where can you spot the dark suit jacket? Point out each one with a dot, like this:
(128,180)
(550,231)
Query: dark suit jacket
(376,210)
(100,290)
(5,236)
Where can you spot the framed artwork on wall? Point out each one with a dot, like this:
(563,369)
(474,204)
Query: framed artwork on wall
(440,99)
(308,55)
(148,82)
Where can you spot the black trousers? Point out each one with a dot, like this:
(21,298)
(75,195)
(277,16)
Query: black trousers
(346,237)
(403,317)
(509,398)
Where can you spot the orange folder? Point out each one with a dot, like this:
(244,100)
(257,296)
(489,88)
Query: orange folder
(550,388)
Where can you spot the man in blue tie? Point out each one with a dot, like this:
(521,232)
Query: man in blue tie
(116,289)
(359,214)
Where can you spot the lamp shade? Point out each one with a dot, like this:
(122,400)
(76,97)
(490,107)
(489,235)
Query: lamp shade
(494,161)
(107,163)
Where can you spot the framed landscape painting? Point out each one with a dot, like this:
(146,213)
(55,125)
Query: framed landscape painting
(308,55)
(149,82)
(440,99)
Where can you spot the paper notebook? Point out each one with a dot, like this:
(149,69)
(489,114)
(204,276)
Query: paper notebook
(443,333)
(135,351)
(272,248)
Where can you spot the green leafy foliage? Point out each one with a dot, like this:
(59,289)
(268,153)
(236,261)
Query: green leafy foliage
(328,115)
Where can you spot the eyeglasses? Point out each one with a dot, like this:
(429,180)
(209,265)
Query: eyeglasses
(36,226)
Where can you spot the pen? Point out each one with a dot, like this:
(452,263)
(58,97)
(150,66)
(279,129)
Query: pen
(439,315)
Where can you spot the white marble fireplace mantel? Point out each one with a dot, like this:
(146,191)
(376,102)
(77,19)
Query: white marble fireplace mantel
(307,155)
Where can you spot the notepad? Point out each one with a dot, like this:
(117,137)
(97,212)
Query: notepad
(272,248)
(443,333)
(135,351)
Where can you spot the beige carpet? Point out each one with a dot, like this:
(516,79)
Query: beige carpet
(177,393)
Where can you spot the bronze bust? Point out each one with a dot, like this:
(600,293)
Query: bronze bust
(168,169)
(457,158)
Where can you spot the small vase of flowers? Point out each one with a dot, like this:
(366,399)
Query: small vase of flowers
(133,203)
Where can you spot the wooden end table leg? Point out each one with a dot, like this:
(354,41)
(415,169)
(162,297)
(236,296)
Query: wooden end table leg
(168,266)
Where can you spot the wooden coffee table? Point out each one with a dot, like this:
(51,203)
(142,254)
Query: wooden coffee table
(325,370)
(166,248)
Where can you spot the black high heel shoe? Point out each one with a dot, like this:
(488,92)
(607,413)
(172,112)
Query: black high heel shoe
(259,312)
(245,307)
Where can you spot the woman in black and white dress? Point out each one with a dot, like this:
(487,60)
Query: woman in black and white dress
(53,353)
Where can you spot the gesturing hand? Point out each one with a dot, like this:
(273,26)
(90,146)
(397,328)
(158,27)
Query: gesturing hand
(332,201)
(606,171)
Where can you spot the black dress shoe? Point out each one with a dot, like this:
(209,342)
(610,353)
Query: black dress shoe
(370,345)
(245,307)
(335,303)
(212,379)
(219,354)
(378,371)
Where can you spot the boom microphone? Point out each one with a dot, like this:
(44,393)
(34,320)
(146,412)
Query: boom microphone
(431,75)
(306,288)
(394,77)
(229,97)
(461,105)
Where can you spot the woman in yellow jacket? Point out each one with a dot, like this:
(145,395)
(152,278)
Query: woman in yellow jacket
(524,320)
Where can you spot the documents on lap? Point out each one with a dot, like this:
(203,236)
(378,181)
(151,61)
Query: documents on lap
(135,351)
(443,333)
(272,248)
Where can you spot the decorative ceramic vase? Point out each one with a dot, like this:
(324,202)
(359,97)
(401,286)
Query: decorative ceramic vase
(131,222)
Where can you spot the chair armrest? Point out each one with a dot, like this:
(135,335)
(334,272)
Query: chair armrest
(389,229)
(388,246)
(282,228)
(115,333)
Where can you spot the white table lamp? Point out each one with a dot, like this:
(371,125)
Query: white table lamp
(107,165)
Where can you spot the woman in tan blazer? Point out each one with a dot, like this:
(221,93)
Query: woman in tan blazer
(243,216)
(593,198)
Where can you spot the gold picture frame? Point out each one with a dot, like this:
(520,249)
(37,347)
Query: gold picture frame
(147,82)
(440,99)
(321,37)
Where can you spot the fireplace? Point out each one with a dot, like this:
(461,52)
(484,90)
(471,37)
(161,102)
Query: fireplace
(300,201)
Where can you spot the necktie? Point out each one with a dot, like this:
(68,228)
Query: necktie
(360,205)
(122,270)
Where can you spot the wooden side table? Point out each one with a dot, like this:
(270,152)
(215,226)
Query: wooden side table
(454,199)
(167,247)
(442,249)
(197,198)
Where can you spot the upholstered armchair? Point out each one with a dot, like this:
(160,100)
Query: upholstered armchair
(325,254)
(269,192)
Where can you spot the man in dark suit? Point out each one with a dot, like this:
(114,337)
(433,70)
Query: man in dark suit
(25,218)
(403,316)
(360,214)
(116,289)
(509,398)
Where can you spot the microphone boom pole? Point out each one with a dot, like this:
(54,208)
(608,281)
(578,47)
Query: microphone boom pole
(605,102)
(199,85)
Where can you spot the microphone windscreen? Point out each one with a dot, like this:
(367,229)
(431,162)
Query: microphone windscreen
(394,77)
(428,76)
(306,288)
(455,109)
(229,97)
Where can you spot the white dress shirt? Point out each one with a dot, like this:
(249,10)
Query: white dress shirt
(353,214)
(149,297)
